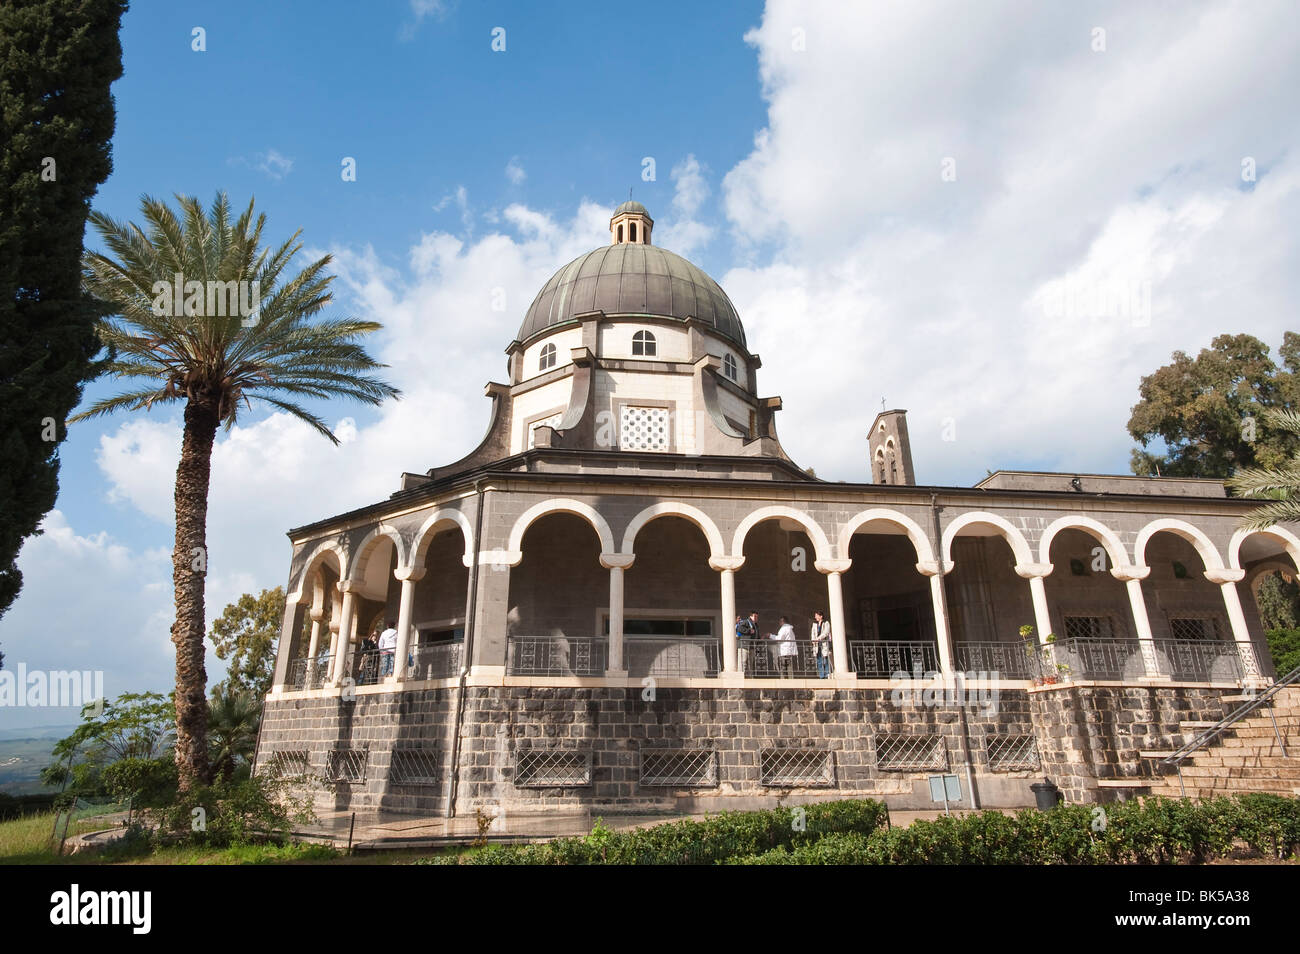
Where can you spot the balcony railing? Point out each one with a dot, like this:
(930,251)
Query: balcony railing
(437,661)
(777,659)
(557,656)
(999,660)
(1179,660)
(309,673)
(877,659)
(672,656)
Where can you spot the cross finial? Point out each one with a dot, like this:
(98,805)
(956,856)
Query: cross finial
(882,403)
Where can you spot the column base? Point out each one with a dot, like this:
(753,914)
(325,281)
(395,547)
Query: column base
(731,680)
(615,673)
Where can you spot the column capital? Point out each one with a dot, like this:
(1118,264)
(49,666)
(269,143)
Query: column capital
(1030,571)
(931,567)
(413,573)
(1223,575)
(1130,574)
(617,561)
(726,562)
(500,557)
(317,614)
(832,566)
(348,586)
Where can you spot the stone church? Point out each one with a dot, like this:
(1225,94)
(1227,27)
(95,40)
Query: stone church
(566,596)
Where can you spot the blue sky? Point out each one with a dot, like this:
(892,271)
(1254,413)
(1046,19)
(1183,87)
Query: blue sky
(992,215)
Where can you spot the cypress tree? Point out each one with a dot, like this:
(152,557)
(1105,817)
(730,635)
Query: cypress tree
(58,59)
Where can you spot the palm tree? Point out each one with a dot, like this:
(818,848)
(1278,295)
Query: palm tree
(1282,484)
(233,720)
(214,357)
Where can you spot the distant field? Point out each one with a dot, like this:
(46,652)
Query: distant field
(23,753)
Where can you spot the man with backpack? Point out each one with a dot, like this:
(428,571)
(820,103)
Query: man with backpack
(746,629)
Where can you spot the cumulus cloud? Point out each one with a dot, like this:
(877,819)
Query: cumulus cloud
(686,233)
(515,171)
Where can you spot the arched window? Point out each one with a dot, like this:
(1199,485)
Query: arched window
(893,470)
(643,343)
(729,366)
(547,358)
(631,231)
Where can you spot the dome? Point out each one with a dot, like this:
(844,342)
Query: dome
(632,279)
(630,206)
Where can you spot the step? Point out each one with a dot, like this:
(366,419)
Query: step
(1124,782)
(1212,759)
(1197,725)
(1149,754)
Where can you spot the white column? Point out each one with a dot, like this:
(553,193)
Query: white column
(1035,573)
(343,644)
(834,570)
(1228,580)
(942,631)
(616,563)
(727,567)
(1132,577)
(408,576)
(317,614)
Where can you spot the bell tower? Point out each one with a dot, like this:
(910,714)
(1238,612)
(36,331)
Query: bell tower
(630,225)
(890,450)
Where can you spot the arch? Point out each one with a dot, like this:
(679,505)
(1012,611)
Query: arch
(924,552)
(1094,528)
(1009,532)
(561,505)
(1266,567)
(1209,553)
(436,521)
(367,546)
(821,545)
(323,550)
(671,508)
(1289,542)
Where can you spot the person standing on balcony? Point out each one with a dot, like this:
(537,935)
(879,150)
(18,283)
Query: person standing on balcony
(821,640)
(746,630)
(789,649)
(387,646)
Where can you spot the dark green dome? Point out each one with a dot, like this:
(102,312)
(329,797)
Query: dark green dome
(630,206)
(632,279)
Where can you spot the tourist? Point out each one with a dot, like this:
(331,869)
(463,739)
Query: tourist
(746,630)
(368,663)
(387,647)
(789,649)
(821,640)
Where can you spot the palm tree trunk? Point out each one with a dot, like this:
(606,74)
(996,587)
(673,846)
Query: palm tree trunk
(189,573)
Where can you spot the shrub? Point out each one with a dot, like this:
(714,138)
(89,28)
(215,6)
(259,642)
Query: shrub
(233,813)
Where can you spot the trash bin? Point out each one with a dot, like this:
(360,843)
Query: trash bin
(1046,795)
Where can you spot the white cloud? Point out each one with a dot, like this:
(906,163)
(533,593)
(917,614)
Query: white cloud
(515,171)
(274,164)
(685,234)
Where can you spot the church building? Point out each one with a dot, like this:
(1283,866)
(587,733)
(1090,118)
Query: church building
(565,597)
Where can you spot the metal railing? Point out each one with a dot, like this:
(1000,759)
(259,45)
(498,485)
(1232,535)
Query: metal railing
(877,659)
(672,656)
(1198,660)
(309,673)
(1092,657)
(557,656)
(369,666)
(777,659)
(1001,660)
(1179,660)
(437,661)
(1228,721)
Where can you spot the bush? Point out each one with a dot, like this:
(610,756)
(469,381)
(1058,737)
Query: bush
(233,813)
(144,783)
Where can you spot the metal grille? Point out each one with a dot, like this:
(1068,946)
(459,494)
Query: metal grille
(878,659)
(1007,753)
(910,752)
(439,661)
(1000,660)
(309,673)
(1096,658)
(346,765)
(1188,627)
(671,656)
(1090,627)
(803,767)
(697,767)
(763,658)
(288,764)
(552,767)
(414,767)
(557,656)
(1198,660)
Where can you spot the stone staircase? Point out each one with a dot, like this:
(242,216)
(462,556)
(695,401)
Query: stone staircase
(1243,758)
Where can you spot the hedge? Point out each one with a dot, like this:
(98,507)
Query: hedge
(1152,831)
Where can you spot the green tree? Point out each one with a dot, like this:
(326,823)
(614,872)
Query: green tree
(1280,482)
(213,361)
(58,59)
(246,633)
(1284,647)
(132,726)
(1207,411)
(1279,602)
(235,715)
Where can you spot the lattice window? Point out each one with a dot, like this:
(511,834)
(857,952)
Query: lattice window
(346,765)
(643,428)
(696,768)
(414,767)
(900,753)
(288,764)
(546,359)
(1008,753)
(729,366)
(802,767)
(643,343)
(1193,627)
(552,421)
(1090,627)
(552,767)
